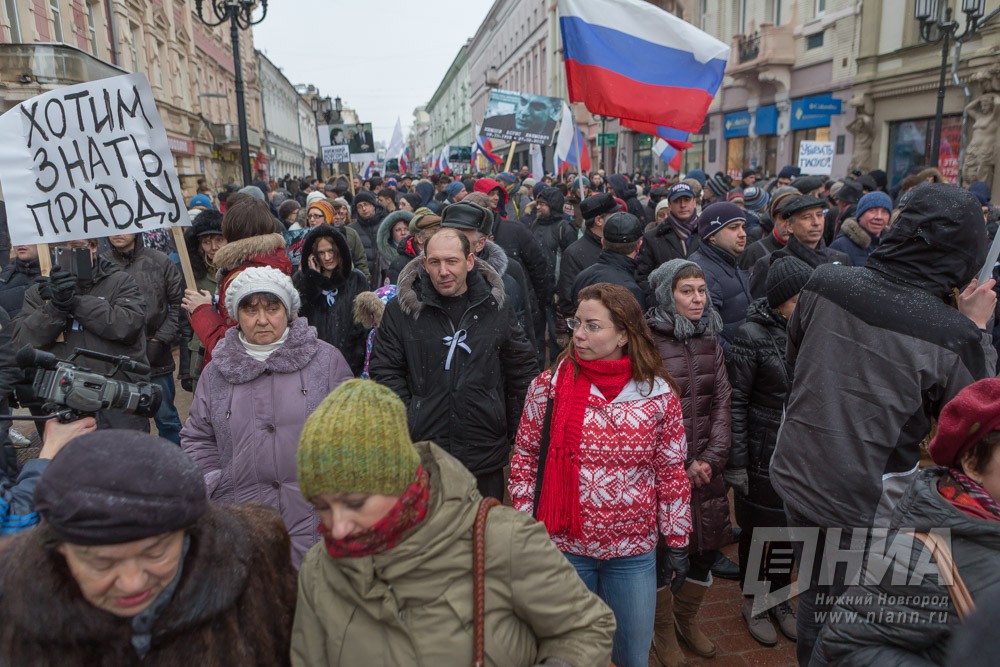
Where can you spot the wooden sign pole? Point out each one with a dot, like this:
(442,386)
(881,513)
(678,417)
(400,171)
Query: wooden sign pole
(182,252)
(510,155)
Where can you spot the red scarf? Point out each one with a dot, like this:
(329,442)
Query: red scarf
(559,503)
(409,511)
(968,497)
(774,233)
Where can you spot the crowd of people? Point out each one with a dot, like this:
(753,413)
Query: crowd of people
(627,361)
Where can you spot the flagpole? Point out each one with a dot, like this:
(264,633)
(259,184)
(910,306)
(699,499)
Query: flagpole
(350,170)
(510,155)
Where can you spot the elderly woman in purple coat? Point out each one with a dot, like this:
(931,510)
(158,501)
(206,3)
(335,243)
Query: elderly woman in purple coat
(265,377)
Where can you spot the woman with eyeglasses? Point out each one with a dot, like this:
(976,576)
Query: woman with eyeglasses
(599,459)
(685,329)
(328,283)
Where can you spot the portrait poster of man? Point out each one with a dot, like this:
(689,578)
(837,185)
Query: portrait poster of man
(522,117)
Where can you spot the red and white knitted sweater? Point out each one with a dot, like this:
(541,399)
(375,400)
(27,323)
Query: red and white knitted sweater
(633,484)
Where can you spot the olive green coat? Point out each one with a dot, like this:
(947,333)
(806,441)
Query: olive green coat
(413,605)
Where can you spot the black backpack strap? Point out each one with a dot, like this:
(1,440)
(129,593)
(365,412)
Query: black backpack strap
(543,450)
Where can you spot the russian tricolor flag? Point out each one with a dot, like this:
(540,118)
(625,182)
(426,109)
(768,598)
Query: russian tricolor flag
(669,154)
(404,160)
(443,162)
(571,147)
(632,60)
(368,170)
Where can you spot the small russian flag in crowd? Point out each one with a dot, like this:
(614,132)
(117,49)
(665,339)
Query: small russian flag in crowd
(484,147)
(368,170)
(668,153)
(571,148)
(404,160)
(634,61)
(443,163)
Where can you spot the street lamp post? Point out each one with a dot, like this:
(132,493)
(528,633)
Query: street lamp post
(239,14)
(934,29)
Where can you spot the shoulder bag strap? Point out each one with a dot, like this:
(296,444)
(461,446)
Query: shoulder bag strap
(942,555)
(543,446)
(479,581)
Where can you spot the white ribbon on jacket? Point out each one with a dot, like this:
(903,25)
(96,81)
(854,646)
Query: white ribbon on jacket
(454,342)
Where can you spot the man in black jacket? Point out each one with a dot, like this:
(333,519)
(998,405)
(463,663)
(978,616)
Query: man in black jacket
(555,234)
(583,252)
(450,347)
(17,277)
(877,351)
(616,263)
(722,227)
(105,313)
(160,283)
(368,216)
(674,238)
(807,222)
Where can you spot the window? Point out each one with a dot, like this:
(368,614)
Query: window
(92,28)
(814,41)
(134,45)
(776,18)
(743,17)
(158,64)
(704,15)
(57,32)
(820,7)
(15,23)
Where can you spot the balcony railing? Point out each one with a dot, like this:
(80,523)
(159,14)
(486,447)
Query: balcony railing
(749,47)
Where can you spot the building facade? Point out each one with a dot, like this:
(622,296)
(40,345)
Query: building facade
(282,109)
(895,95)
(449,113)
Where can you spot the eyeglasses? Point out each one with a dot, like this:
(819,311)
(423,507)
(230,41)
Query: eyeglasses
(591,327)
(316,216)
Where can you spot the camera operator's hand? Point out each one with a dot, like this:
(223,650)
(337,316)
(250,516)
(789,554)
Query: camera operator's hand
(58,434)
(63,286)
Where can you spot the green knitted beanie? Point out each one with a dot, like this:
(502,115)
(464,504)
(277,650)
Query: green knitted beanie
(357,441)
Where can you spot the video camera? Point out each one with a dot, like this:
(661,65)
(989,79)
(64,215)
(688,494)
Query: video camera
(68,391)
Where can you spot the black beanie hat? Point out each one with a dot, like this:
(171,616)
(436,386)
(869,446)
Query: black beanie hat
(116,486)
(785,278)
(364,195)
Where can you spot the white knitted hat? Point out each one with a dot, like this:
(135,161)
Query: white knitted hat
(269,280)
(314,197)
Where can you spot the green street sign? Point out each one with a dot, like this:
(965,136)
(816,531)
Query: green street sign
(609,139)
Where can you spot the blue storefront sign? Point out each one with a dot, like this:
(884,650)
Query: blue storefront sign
(766,120)
(815,111)
(736,124)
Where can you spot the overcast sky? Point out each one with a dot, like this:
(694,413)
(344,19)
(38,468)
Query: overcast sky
(382,57)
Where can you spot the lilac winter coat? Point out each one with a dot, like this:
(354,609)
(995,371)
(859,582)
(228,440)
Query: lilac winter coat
(246,418)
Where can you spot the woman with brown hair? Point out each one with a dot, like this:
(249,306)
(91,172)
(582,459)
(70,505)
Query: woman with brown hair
(599,459)
(685,329)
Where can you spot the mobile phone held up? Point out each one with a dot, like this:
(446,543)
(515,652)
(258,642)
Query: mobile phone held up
(76,261)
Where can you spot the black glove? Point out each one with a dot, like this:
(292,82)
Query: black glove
(187,384)
(44,288)
(63,286)
(739,480)
(674,567)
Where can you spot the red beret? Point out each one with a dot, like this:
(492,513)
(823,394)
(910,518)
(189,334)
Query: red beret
(965,420)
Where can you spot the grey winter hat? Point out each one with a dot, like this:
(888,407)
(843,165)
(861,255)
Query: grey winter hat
(253,191)
(117,486)
(662,282)
(266,279)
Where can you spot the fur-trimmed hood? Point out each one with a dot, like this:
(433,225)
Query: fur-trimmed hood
(413,283)
(237,253)
(238,367)
(383,237)
(237,569)
(856,234)
(338,239)
(495,257)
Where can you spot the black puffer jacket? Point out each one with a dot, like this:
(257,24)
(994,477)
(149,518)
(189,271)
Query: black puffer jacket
(698,367)
(472,409)
(913,614)
(334,322)
(515,285)
(367,229)
(729,286)
(554,234)
(163,289)
(760,377)
(15,279)
(522,247)
(814,257)
(613,268)
(628,193)
(581,254)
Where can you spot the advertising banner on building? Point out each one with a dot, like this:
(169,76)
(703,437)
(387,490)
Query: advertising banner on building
(521,117)
(88,161)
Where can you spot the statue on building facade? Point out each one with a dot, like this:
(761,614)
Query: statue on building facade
(980,153)
(863,129)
